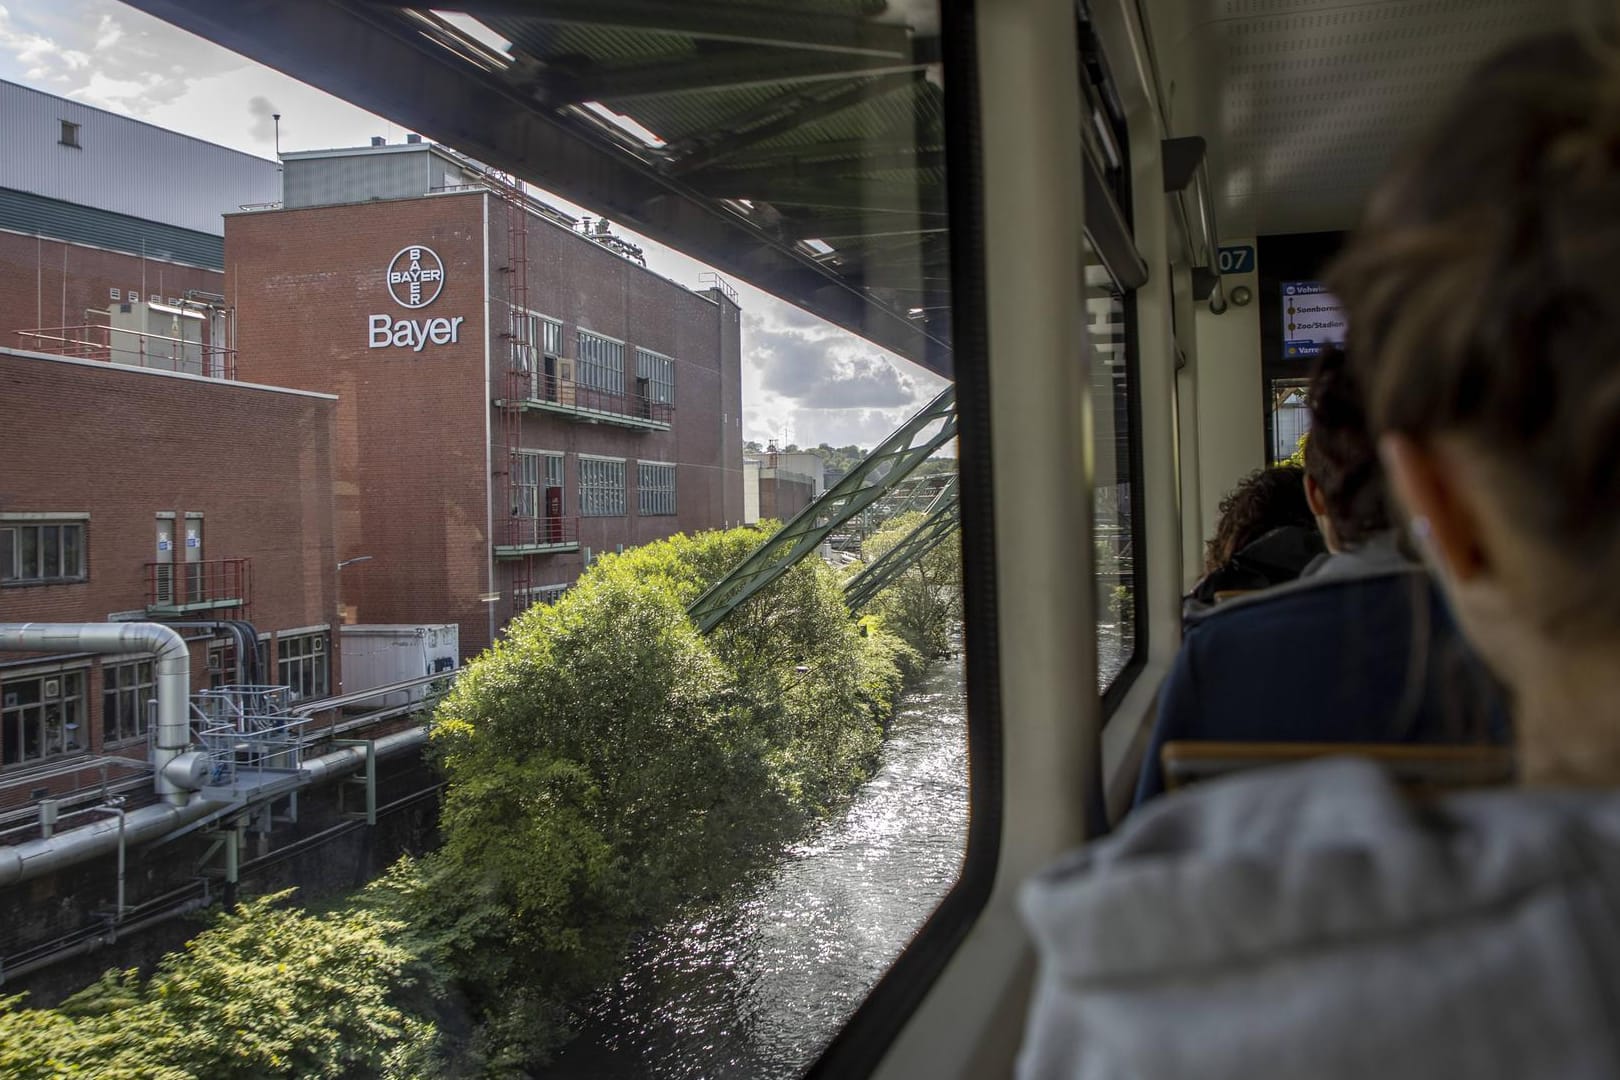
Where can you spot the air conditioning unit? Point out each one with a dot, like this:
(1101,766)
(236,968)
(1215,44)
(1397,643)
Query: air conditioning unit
(565,381)
(53,688)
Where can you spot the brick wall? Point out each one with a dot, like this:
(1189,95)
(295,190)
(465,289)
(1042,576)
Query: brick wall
(124,445)
(50,283)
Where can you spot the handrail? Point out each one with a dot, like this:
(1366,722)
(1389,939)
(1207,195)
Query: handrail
(105,343)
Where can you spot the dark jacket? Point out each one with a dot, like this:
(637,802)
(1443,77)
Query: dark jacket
(1276,558)
(1360,649)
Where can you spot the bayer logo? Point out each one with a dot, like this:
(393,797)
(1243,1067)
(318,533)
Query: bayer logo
(415,277)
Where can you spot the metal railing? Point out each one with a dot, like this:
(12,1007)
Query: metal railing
(524,531)
(571,395)
(248,729)
(173,587)
(114,345)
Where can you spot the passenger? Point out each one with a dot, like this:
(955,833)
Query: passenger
(1311,921)
(1266,535)
(1359,649)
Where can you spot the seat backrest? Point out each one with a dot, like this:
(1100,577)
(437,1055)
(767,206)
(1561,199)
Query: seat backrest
(1418,767)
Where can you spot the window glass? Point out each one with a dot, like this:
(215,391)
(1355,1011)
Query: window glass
(125,690)
(601,363)
(655,489)
(659,372)
(601,487)
(42,552)
(1113,504)
(302,665)
(41,716)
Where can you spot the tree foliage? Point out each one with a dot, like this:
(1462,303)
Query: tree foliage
(608,766)
(924,604)
(267,991)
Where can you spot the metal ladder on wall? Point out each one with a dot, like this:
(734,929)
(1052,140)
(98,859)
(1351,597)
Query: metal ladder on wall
(516,381)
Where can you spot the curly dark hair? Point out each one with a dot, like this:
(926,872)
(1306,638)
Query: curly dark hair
(1340,454)
(1264,500)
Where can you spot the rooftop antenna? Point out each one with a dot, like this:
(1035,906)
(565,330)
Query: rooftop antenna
(277,118)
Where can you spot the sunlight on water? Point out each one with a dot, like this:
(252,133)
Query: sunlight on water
(756,986)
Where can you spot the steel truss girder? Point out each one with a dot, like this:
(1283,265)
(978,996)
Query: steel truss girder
(941,521)
(891,462)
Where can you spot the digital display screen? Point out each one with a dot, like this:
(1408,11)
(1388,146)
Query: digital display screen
(1312,319)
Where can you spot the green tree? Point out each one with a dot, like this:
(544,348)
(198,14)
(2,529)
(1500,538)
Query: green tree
(267,991)
(924,604)
(608,766)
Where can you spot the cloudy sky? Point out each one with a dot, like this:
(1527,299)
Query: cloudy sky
(804,381)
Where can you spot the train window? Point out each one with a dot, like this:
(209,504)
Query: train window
(1114,439)
(705,811)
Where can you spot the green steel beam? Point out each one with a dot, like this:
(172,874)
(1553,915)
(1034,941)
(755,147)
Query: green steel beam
(884,467)
(940,522)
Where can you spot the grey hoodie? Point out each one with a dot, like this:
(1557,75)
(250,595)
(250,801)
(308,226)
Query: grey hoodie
(1311,922)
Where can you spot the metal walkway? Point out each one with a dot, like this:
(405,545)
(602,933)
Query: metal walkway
(883,469)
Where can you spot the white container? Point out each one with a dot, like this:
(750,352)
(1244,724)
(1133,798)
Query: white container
(379,655)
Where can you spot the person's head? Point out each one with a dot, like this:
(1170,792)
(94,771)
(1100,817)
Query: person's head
(1484,323)
(1264,500)
(1344,482)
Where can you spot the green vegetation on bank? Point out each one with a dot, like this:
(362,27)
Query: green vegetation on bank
(607,768)
(924,603)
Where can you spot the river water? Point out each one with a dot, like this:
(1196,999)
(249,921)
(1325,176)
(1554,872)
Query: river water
(758,984)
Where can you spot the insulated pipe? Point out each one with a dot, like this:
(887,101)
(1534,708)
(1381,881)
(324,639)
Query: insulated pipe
(21,862)
(173,676)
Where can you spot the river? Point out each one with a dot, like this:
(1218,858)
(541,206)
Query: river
(755,986)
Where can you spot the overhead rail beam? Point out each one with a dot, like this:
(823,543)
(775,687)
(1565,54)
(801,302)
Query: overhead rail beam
(891,462)
(739,24)
(385,58)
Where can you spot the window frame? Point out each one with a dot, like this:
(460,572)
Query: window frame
(589,365)
(316,659)
(657,490)
(74,716)
(660,391)
(119,691)
(69,135)
(12,528)
(599,498)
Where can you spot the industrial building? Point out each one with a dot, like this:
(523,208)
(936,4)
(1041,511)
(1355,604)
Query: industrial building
(141,480)
(516,392)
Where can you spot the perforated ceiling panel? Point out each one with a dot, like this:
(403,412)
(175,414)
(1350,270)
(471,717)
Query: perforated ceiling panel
(1304,101)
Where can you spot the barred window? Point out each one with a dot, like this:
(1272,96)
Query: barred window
(601,487)
(125,690)
(658,373)
(655,488)
(40,716)
(600,364)
(534,470)
(302,663)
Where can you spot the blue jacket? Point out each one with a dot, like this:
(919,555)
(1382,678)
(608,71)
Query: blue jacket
(1360,649)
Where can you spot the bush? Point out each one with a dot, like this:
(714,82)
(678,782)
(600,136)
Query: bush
(922,606)
(268,991)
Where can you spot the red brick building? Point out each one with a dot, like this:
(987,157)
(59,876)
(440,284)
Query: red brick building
(133,493)
(482,456)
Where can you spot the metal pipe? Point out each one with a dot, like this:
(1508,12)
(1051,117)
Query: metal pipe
(1204,203)
(23,862)
(172,668)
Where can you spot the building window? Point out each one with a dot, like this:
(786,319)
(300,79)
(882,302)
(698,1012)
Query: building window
(70,135)
(533,336)
(535,471)
(303,665)
(41,716)
(125,690)
(656,375)
(655,488)
(600,364)
(601,487)
(46,551)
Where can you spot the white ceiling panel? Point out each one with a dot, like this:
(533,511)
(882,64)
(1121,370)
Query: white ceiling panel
(1303,102)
